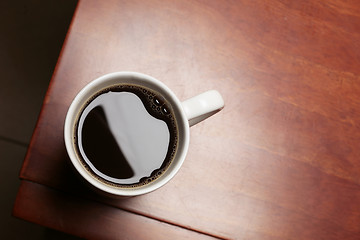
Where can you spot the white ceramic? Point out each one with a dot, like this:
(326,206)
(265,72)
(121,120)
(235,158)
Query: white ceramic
(187,113)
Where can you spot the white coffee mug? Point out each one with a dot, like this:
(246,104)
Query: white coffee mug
(186,113)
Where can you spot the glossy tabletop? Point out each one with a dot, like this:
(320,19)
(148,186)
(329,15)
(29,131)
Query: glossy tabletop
(280,161)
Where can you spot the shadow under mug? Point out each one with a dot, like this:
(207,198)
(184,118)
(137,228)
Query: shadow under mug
(186,113)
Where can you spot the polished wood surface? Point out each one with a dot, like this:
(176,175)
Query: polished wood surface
(89,219)
(280,161)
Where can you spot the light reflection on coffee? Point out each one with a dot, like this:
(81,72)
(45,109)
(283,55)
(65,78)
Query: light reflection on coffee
(126,136)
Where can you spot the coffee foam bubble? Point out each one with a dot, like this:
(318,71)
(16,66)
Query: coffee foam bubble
(158,107)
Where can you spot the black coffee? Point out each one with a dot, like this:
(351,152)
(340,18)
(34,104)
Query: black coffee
(126,136)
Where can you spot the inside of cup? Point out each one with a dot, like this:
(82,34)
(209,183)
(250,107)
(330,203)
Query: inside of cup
(109,81)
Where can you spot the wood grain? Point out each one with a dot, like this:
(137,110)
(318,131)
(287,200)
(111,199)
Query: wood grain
(88,219)
(280,161)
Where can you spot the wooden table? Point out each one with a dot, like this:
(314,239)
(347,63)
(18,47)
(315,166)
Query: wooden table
(281,161)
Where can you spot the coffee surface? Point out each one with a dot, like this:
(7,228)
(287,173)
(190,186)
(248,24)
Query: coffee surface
(126,136)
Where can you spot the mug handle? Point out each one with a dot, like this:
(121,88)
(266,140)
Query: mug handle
(202,106)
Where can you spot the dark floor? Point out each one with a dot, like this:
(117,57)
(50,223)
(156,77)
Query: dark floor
(32,33)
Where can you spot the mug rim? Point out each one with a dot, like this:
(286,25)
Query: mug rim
(92,88)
